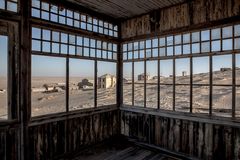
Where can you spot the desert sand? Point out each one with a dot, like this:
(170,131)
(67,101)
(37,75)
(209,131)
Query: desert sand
(54,102)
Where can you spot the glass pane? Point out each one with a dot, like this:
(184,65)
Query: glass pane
(177,50)
(205,35)
(200,101)
(166,97)
(196,48)
(195,37)
(182,71)
(222,101)
(186,49)
(222,69)
(12,6)
(46,34)
(139,83)
(216,46)
(155,42)
(152,84)
(200,70)
(162,42)
(169,51)
(237,30)
(186,38)
(148,44)
(166,71)
(3,77)
(127,83)
(169,40)
(238,69)
(36,45)
(178,39)
(227,44)
(182,98)
(227,32)
(162,51)
(216,33)
(106,91)
(237,43)
(237,112)
(81,84)
(48,85)
(205,47)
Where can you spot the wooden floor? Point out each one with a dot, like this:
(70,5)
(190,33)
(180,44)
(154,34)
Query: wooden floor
(126,153)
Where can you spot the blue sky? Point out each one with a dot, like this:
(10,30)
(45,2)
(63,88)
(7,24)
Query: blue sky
(3,55)
(45,66)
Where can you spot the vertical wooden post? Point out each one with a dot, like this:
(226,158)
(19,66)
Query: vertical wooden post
(25,77)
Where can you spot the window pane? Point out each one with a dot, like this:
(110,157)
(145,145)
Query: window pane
(237,102)
(3,77)
(205,35)
(200,101)
(182,98)
(48,85)
(127,83)
(195,37)
(238,69)
(200,70)
(196,48)
(227,44)
(222,69)
(106,92)
(222,101)
(227,32)
(166,71)
(139,84)
(166,97)
(152,84)
(216,46)
(216,33)
(81,84)
(183,71)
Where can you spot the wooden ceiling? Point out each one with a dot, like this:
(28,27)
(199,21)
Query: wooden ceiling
(125,8)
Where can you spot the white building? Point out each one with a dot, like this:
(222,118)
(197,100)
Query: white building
(106,81)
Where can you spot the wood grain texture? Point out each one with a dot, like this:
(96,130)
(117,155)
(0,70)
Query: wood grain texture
(195,139)
(183,16)
(125,8)
(57,139)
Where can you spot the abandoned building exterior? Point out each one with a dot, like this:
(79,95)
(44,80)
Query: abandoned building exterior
(136,79)
(86,83)
(107,81)
(142,76)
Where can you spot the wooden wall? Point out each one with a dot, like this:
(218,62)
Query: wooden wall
(199,139)
(54,139)
(186,15)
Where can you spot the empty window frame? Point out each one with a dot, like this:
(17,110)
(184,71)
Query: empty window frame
(3,78)
(106,83)
(58,14)
(81,84)
(152,84)
(139,78)
(9,5)
(127,83)
(49,41)
(48,85)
